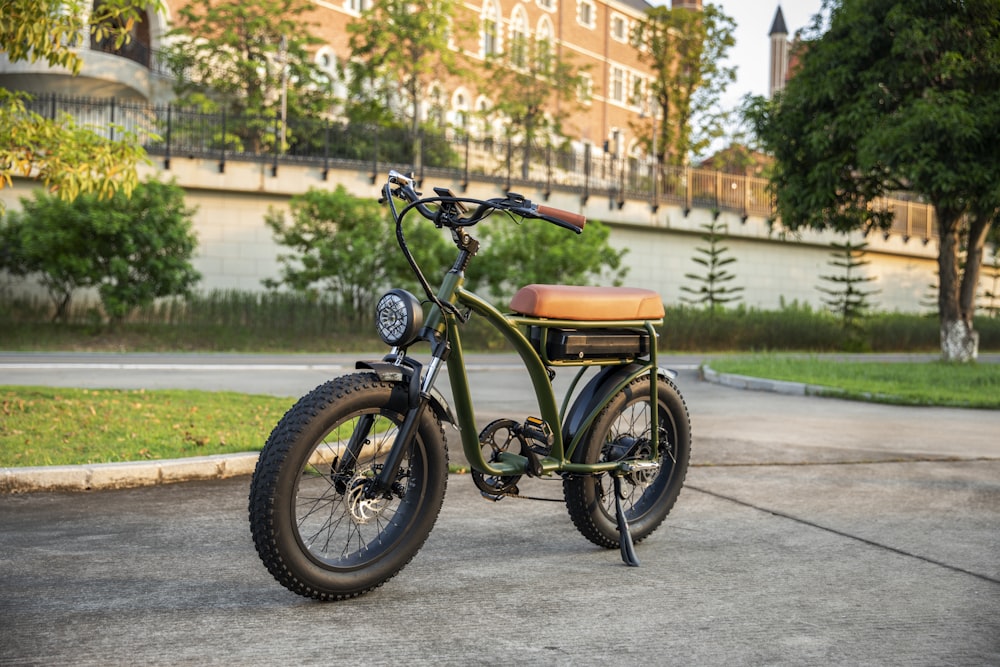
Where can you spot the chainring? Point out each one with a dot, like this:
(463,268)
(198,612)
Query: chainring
(497,438)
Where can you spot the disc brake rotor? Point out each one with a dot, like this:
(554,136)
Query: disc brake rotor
(364,510)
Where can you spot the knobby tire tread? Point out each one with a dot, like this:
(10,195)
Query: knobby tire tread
(282,439)
(583,510)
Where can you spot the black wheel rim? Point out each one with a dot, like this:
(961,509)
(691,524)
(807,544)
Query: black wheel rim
(336,524)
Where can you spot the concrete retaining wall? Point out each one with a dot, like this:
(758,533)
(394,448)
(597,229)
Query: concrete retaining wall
(236,249)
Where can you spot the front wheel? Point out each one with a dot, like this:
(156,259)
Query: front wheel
(316,527)
(620,432)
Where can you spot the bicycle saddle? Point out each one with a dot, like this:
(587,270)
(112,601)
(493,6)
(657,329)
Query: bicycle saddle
(571,302)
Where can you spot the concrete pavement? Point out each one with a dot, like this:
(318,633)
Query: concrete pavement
(811,531)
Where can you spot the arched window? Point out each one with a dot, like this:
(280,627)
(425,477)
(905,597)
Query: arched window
(326,60)
(519,37)
(490,24)
(435,109)
(484,123)
(137,48)
(543,40)
(460,109)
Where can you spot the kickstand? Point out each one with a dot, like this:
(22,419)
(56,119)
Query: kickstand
(624,535)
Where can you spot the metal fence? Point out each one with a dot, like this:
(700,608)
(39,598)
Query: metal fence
(170,131)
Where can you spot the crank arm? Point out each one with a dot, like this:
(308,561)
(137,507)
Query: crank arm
(638,466)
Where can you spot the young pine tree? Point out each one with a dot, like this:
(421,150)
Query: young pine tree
(713,290)
(845,296)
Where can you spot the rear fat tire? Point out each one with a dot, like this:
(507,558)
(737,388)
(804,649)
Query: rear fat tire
(313,530)
(647,499)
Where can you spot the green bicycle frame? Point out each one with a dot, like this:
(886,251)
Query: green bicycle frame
(558,459)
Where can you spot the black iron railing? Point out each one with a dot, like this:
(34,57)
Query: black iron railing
(172,132)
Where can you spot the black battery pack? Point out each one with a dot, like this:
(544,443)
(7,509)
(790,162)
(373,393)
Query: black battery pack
(590,344)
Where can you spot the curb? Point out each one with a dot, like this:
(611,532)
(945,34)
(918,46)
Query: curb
(105,476)
(761,384)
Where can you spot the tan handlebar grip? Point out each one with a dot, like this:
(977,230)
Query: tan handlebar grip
(574,219)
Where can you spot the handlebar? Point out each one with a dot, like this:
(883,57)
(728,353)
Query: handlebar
(575,221)
(450,208)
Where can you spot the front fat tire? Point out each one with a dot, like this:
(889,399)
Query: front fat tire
(647,502)
(312,534)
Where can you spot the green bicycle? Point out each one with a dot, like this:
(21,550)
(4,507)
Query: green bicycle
(351,480)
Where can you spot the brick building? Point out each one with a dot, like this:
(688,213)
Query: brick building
(594,35)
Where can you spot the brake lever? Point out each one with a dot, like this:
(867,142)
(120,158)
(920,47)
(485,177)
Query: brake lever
(515,200)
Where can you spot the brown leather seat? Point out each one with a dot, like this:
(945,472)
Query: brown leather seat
(569,302)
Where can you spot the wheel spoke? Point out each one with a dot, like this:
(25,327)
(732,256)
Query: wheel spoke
(346,526)
(623,432)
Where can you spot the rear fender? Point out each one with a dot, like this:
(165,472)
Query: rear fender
(597,392)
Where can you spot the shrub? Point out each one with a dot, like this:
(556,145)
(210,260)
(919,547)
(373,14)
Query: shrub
(132,249)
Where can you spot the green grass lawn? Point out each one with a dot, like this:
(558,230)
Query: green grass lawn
(56,426)
(905,383)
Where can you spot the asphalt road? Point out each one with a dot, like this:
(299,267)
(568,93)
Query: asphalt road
(811,531)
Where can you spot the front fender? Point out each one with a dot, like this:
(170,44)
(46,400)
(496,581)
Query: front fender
(404,375)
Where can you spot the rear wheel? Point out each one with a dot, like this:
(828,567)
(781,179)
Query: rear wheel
(316,527)
(621,432)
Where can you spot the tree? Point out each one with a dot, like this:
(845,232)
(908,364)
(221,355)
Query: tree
(535,89)
(346,246)
(685,50)
(132,248)
(845,298)
(513,255)
(252,60)
(67,158)
(397,48)
(713,291)
(896,95)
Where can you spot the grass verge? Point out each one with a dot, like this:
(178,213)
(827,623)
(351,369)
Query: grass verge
(56,426)
(59,426)
(904,383)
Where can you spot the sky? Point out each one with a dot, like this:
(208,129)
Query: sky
(752,52)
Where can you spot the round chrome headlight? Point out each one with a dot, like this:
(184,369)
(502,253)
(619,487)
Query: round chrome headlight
(398,317)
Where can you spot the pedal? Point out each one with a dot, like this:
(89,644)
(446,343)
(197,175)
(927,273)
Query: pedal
(497,497)
(534,429)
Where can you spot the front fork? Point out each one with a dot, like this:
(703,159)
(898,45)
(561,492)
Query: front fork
(419,395)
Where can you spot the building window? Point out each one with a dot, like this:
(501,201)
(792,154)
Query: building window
(638,91)
(491,28)
(617,84)
(485,126)
(585,13)
(356,6)
(548,5)
(619,28)
(435,111)
(460,110)
(519,38)
(137,48)
(586,90)
(543,45)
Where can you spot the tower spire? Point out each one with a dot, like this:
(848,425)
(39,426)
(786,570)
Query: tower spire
(779,52)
